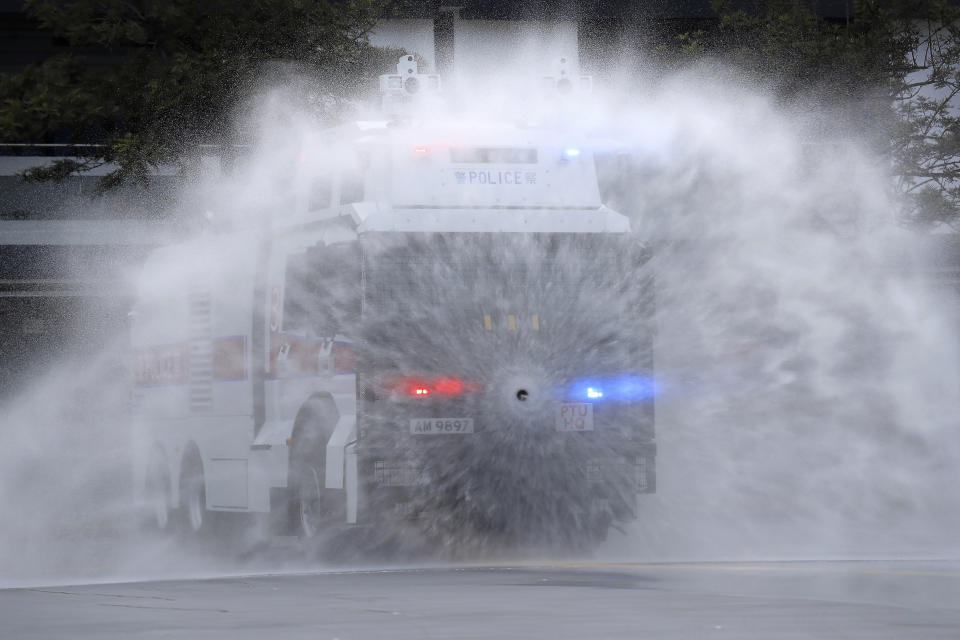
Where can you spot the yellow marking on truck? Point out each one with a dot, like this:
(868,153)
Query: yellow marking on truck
(512,322)
(487,323)
(536,323)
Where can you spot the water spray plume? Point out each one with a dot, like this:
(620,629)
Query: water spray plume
(805,380)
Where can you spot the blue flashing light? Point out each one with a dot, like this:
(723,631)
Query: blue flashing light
(626,388)
(571,152)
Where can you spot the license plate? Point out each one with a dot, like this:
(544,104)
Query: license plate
(574,416)
(440,426)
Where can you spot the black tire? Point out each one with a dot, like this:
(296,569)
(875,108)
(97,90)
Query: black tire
(195,518)
(159,515)
(315,509)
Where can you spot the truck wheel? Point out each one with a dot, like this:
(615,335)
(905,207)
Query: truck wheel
(158,494)
(312,516)
(193,495)
(316,508)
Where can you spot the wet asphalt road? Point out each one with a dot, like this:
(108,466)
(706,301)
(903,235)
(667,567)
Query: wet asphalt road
(615,600)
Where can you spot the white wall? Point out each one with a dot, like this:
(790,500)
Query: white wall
(487,47)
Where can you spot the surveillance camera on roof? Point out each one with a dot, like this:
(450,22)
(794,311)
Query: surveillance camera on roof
(407,65)
(407,81)
(565,80)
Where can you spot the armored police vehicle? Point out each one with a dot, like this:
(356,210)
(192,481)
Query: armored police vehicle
(446,334)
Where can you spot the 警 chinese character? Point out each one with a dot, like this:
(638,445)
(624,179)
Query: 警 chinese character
(531,177)
(461,177)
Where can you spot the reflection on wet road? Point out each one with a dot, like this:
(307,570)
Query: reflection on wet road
(862,599)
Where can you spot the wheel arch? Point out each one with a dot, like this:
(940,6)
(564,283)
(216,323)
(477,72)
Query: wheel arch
(312,410)
(314,425)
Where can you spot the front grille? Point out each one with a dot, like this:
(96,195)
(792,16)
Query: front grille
(394,474)
(592,471)
(638,473)
(642,471)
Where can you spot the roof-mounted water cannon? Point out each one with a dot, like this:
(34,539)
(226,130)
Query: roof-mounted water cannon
(565,81)
(401,88)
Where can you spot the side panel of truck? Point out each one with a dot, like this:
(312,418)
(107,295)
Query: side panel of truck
(191,358)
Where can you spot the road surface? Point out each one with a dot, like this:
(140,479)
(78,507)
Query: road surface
(829,600)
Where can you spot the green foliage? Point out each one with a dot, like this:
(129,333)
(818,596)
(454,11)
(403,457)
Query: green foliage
(925,147)
(786,41)
(151,80)
(890,71)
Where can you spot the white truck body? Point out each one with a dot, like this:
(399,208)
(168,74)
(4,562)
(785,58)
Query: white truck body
(218,372)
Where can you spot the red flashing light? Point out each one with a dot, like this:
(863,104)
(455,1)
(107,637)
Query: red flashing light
(415,387)
(420,151)
(420,388)
(449,386)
